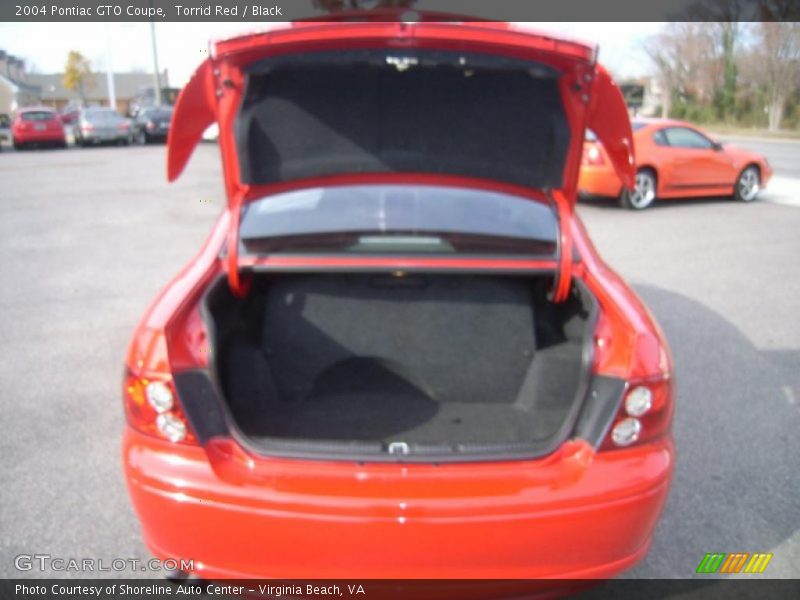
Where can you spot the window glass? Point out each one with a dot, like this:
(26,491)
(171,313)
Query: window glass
(398,219)
(157,113)
(38,115)
(682,137)
(102,115)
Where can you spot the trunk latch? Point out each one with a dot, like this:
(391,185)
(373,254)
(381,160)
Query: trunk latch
(398,448)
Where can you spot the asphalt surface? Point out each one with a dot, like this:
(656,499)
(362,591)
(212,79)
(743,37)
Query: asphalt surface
(88,237)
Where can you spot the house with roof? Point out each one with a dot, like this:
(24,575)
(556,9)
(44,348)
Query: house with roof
(16,89)
(129,89)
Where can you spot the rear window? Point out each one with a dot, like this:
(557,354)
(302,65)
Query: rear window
(637,125)
(395,219)
(38,115)
(103,115)
(157,113)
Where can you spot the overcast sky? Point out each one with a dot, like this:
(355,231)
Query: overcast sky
(181,46)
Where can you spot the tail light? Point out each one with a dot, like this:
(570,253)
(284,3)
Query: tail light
(645,414)
(151,125)
(122,125)
(152,407)
(592,155)
(87,127)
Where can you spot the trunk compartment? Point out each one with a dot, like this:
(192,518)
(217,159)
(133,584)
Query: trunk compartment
(420,365)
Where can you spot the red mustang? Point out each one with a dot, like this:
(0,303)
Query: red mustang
(674,160)
(398,353)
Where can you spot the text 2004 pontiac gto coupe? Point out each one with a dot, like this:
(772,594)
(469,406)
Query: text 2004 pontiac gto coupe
(398,353)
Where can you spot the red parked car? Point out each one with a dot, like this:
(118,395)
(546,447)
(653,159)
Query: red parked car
(398,353)
(674,159)
(39,126)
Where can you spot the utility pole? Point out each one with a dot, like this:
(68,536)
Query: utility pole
(112,95)
(156,75)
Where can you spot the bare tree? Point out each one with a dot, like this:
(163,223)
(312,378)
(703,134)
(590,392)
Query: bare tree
(777,52)
(681,54)
(721,22)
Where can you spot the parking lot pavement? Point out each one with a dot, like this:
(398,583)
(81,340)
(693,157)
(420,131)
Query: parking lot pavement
(89,236)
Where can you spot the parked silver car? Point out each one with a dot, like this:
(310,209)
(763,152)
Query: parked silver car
(99,124)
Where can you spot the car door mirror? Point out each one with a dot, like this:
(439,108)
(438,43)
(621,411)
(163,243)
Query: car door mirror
(716,146)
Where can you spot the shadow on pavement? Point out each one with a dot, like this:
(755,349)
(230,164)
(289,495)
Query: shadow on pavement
(736,425)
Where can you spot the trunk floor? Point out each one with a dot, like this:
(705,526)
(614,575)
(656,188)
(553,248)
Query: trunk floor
(410,418)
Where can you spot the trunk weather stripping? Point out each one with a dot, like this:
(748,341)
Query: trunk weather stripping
(564,272)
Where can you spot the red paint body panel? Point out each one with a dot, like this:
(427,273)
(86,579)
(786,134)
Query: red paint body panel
(680,172)
(579,512)
(573,514)
(608,118)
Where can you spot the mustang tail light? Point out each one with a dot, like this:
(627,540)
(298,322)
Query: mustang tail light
(592,155)
(151,407)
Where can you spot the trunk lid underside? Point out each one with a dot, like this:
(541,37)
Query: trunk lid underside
(320,104)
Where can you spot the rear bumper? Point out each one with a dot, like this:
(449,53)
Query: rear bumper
(572,515)
(33,137)
(97,138)
(157,134)
(599,181)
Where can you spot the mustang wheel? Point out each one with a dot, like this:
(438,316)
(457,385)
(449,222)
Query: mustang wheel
(644,192)
(748,185)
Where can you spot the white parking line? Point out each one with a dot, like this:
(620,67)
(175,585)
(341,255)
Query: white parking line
(782,190)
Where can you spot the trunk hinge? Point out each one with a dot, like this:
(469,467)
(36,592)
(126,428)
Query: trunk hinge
(239,285)
(564,276)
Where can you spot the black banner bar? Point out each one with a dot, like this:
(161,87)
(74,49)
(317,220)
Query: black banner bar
(406,589)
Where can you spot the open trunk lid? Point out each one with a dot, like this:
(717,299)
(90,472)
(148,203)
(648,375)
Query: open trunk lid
(469,104)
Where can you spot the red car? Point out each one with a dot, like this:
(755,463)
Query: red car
(674,160)
(39,126)
(398,353)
